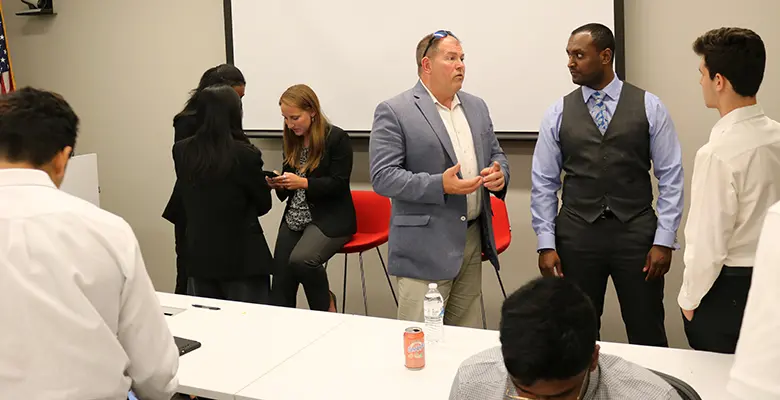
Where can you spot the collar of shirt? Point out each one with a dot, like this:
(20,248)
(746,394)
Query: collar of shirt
(24,177)
(734,117)
(593,384)
(612,90)
(455,101)
(590,393)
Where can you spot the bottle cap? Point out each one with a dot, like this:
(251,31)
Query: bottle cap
(432,286)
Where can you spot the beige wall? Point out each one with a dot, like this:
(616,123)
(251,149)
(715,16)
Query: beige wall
(126,67)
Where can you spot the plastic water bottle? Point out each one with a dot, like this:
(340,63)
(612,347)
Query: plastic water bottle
(433,306)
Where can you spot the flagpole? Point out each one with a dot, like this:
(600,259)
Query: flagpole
(8,49)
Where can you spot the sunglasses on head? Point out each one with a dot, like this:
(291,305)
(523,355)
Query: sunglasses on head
(437,35)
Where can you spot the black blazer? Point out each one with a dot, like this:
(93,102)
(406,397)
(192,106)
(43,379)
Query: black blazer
(184,125)
(328,196)
(224,239)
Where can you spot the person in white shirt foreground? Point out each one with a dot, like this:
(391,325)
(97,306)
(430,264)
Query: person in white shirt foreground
(549,351)
(79,316)
(755,375)
(736,178)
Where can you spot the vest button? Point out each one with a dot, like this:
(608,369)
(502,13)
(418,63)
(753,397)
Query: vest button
(463,218)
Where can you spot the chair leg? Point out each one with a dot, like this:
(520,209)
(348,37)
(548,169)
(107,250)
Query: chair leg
(482,304)
(379,253)
(363,279)
(344,294)
(503,291)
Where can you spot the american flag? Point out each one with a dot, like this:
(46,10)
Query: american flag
(6,74)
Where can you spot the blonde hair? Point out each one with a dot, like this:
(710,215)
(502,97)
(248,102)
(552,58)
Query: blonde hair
(303,97)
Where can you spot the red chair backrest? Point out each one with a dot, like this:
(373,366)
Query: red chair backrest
(501,229)
(372,210)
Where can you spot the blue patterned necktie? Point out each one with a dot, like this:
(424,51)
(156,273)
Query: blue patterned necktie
(601,116)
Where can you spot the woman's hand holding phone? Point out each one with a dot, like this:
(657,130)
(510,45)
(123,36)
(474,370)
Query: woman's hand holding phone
(273,179)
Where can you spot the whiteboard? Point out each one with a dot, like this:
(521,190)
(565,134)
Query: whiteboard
(81,178)
(357,53)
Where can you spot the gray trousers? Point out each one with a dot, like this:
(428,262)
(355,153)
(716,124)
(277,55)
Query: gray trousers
(298,259)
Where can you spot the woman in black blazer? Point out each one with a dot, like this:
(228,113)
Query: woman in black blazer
(185,124)
(220,193)
(319,217)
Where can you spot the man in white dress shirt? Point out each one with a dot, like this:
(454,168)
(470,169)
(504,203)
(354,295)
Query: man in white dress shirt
(754,375)
(736,178)
(79,316)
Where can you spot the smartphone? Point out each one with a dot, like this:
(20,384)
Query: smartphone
(271,174)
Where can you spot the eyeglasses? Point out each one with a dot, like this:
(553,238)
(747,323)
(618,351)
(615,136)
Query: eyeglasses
(437,35)
(580,395)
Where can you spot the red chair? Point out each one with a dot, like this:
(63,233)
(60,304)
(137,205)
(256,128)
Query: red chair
(501,229)
(373,228)
(502,232)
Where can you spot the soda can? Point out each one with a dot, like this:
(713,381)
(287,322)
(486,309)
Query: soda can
(414,348)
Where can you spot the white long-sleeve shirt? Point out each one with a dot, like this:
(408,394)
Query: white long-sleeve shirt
(736,178)
(79,315)
(754,375)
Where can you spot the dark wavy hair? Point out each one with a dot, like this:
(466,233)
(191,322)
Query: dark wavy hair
(35,125)
(548,331)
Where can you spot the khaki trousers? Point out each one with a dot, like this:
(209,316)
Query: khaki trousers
(461,295)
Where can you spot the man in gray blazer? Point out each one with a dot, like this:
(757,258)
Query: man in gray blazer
(433,152)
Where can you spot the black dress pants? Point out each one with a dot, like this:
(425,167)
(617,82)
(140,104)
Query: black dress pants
(590,253)
(717,321)
(181,267)
(253,289)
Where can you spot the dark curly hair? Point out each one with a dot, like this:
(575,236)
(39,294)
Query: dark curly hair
(35,125)
(548,331)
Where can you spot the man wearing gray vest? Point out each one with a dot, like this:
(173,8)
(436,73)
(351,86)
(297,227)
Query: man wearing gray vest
(605,136)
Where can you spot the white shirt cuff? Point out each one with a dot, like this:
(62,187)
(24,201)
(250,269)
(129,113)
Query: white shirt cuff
(545,241)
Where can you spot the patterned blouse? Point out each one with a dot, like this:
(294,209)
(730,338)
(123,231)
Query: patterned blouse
(298,216)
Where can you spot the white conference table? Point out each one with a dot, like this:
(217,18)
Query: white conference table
(240,342)
(363,358)
(255,352)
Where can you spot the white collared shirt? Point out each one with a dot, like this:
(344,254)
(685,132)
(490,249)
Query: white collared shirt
(736,178)
(79,315)
(458,129)
(754,375)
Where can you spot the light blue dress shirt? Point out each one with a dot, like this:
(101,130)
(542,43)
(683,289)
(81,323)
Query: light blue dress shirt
(665,154)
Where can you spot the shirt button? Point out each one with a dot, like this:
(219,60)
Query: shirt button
(463,218)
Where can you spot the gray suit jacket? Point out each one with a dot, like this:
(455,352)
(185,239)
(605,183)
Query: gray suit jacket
(409,149)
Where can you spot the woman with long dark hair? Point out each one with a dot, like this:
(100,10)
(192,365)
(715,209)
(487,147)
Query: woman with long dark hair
(221,194)
(185,123)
